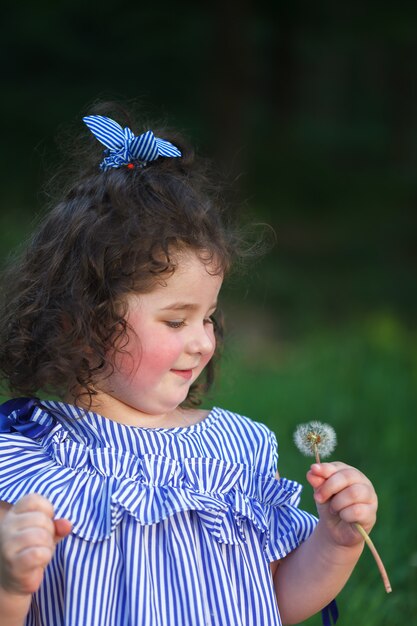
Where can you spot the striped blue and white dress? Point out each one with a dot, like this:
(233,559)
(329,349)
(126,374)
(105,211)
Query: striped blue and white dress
(171,526)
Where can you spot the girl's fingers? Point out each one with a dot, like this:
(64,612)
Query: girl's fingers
(356,503)
(62,528)
(345,491)
(32,519)
(314,480)
(28,538)
(35,511)
(32,558)
(325,470)
(337,479)
(364,514)
(36,503)
(319,472)
(359,493)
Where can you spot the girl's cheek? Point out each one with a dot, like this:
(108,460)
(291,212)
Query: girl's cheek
(206,360)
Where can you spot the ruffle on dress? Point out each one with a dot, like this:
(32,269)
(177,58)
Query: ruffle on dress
(95,487)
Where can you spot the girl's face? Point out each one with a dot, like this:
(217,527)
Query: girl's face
(171,340)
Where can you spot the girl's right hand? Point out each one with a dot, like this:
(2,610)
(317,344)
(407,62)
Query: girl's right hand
(28,536)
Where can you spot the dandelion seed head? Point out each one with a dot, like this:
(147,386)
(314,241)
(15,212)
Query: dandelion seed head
(315,437)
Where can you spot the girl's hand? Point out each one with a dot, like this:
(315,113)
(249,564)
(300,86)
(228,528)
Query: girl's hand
(28,536)
(343,495)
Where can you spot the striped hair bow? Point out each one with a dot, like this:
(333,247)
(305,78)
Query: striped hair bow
(123,147)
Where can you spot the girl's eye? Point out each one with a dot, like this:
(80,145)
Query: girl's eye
(181,323)
(211,320)
(175,323)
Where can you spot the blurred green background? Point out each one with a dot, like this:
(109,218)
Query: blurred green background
(311,108)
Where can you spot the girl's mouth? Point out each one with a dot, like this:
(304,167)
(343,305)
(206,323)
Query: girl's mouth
(187,374)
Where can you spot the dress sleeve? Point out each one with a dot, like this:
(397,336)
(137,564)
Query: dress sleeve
(288,524)
(23,464)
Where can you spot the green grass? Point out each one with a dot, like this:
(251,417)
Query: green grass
(362,380)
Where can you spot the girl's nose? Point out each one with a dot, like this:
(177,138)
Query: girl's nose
(202,340)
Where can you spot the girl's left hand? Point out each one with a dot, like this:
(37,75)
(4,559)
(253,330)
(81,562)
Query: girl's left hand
(343,496)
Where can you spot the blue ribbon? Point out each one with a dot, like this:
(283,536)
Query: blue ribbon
(124,147)
(330,614)
(16,416)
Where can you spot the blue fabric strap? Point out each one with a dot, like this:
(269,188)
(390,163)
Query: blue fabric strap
(330,614)
(123,147)
(16,416)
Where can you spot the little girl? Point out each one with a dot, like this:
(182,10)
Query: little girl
(123,503)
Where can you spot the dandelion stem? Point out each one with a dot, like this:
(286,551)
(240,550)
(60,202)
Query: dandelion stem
(376,556)
(367,540)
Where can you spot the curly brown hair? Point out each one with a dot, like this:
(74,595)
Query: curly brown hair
(110,234)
